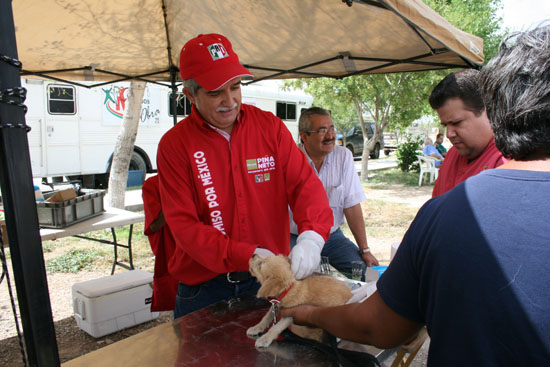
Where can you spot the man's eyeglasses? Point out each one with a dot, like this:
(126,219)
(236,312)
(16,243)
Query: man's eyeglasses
(323,130)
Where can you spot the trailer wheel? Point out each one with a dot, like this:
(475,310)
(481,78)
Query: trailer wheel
(138,163)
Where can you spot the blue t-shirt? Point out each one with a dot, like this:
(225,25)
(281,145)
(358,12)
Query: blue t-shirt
(475,267)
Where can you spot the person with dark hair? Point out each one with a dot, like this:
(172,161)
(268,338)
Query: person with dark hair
(439,145)
(461,110)
(334,166)
(227,174)
(477,275)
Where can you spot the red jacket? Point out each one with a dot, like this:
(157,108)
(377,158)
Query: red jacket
(223,199)
(162,243)
(456,168)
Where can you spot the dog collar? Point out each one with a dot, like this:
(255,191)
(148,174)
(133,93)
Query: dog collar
(280,298)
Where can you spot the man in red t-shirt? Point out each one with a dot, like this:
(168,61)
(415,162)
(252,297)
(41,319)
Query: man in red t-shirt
(461,110)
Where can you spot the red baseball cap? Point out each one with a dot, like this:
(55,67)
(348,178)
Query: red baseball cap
(210,60)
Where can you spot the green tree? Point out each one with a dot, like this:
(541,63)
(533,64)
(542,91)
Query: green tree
(392,100)
(478,17)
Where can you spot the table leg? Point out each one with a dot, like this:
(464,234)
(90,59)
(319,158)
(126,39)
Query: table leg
(115,245)
(115,248)
(129,247)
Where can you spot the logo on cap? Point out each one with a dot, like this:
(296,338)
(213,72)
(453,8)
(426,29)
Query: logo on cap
(217,51)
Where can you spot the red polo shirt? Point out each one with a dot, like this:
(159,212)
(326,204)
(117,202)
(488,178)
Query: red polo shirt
(456,168)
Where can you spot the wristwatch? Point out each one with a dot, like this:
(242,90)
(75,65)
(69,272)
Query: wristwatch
(364,251)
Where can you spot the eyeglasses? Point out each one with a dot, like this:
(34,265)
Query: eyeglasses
(323,130)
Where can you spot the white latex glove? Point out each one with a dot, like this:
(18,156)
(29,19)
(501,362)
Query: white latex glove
(263,252)
(306,255)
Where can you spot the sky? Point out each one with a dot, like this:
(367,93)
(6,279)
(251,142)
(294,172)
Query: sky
(521,15)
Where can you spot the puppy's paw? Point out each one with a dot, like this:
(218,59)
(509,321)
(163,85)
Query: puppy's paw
(264,341)
(254,331)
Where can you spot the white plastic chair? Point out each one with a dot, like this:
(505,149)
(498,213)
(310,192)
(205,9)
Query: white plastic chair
(427,166)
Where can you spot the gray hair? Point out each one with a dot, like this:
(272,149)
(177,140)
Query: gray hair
(515,86)
(191,85)
(304,124)
(428,141)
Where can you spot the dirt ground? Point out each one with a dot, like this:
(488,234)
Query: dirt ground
(73,342)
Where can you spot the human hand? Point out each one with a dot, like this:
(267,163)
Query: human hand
(369,259)
(300,314)
(263,252)
(306,255)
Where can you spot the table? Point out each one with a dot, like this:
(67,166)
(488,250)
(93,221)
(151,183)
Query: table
(212,336)
(110,218)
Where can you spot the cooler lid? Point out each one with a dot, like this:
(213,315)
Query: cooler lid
(112,284)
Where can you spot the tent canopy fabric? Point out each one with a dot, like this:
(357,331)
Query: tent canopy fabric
(100,40)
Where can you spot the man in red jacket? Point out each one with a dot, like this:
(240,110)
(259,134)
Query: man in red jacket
(228,173)
(458,103)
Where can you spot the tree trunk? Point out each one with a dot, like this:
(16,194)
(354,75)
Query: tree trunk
(125,146)
(366,151)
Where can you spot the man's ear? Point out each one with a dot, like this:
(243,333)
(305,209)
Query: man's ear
(303,136)
(189,95)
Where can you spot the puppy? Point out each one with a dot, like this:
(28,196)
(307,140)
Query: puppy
(280,286)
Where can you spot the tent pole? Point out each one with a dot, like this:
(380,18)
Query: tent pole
(174,87)
(20,206)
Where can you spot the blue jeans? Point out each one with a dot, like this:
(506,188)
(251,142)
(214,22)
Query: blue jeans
(194,297)
(341,252)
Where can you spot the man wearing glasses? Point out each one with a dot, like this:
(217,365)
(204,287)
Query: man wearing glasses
(334,166)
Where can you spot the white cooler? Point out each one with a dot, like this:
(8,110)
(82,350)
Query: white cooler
(106,305)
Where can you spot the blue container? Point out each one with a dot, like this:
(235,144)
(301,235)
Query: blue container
(135,178)
(380,269)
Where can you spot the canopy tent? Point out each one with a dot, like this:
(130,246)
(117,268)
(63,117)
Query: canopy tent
(106,41)
(112,40)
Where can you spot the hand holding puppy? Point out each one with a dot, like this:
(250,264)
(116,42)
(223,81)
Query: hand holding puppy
(263,252)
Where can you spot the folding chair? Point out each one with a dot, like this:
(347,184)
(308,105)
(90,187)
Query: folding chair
(427,166)
(411,349)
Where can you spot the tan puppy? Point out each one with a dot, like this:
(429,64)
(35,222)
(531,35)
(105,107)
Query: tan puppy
(278,282)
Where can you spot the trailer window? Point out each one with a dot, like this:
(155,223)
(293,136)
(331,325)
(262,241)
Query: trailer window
(183,107)
(286,111)
(61,100)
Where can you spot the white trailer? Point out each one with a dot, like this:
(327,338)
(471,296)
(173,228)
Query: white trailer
(74,129)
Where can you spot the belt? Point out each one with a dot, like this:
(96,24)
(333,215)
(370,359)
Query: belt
(236,277)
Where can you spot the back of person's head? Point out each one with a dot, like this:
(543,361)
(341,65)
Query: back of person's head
(428,141)
(515,86)
(304,124)
(461,84)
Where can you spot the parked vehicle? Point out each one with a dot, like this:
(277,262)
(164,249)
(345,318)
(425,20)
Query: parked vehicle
(74,129)
(355,141)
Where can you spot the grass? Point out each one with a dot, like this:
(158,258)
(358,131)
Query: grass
(71,254)
(392,176)
(74,260)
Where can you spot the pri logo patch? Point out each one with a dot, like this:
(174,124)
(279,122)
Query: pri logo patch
(217,51)
(261,167)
